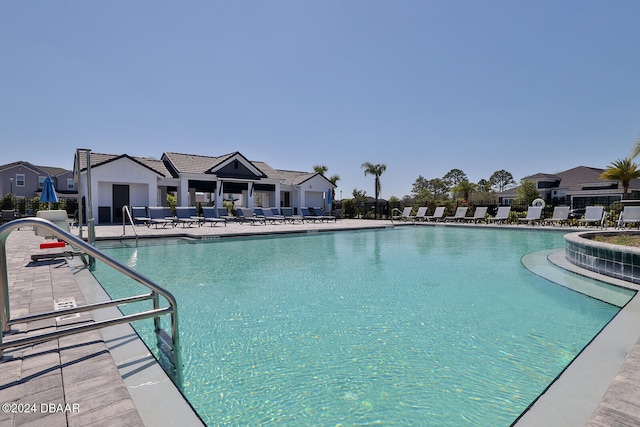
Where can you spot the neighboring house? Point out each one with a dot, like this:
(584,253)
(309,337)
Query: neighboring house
(26,180)
(577,187)
(118,180)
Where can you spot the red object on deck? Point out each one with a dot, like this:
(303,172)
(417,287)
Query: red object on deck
(50,245)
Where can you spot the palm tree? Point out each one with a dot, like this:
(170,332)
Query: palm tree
(376,170)
(321,169)
(623,170)
(465,188)
(636,149)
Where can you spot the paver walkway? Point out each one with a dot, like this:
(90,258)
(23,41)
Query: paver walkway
(68,381)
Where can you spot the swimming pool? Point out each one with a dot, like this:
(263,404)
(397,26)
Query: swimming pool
(415,325)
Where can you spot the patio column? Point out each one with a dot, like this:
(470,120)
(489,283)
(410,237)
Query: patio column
(183,192)
(219,196)
(250,194)
(277,196)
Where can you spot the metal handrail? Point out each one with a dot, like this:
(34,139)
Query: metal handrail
(392,212)
(156,292)
(125,210)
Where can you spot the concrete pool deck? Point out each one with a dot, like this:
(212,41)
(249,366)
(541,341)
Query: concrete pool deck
(95,378)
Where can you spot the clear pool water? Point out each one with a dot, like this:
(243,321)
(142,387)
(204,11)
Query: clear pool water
(438,326)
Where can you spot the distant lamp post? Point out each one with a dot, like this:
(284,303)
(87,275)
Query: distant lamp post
(11,182)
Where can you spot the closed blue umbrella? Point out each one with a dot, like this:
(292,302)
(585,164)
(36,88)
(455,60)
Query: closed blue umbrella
(48,192)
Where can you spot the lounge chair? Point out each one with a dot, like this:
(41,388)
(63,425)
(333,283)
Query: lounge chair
(276,212)
(267,215)
(58,217)
(560,215)
(461,212)
(593,215)
(421,215)
(479,215)
(258,212)
(139,215)
(629,215)
(307,215)
(323,216)
(7,215)
(271,214)
(72,220)
(438,214)
(501,215)
(210,215)
(533,215)
(160,216)
(224,214)
(405,215)
(187,216)
(288,215)
(246,215)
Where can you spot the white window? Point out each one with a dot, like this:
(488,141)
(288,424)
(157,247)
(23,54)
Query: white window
(261,199)
(70,185)
(41,182)
(20,180)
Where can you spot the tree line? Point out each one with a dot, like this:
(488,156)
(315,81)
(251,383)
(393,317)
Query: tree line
(455,186)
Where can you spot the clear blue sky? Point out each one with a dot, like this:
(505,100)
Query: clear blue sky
(422,86)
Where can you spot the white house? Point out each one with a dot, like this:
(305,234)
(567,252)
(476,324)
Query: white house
(118,180)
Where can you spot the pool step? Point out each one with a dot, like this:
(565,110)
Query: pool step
(167,355)
(539,264)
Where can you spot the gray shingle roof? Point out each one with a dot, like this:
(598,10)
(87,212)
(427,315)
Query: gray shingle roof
(195,163)
(98,159)
(295,177)
(572,179)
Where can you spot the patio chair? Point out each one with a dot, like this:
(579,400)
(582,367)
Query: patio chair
(139,215)
(266,214)
(629,215)
(72,220)
(479,215)
(7,215)
(160,216)
(210,215)
(271,215)
(319,212)
(560,215)
(258,212)
(533,215)
(288,215)
(438,214)
(307,215)
(593,215)
(246,215)
(421,215)
(224,214)
(461,212)
(405,215)
(58,217)
(187,216)
(501,215)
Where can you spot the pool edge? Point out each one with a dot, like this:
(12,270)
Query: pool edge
(576,394)
(156,398)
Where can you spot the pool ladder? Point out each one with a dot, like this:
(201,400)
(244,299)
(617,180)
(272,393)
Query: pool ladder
(168,344)
(126,214)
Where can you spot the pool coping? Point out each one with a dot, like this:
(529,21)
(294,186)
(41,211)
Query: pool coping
(155,396)
(575,395)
